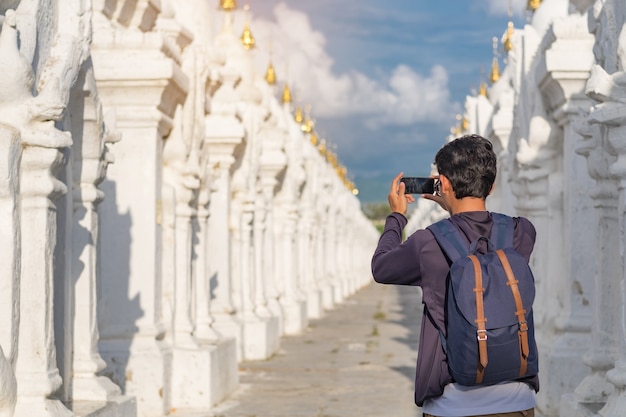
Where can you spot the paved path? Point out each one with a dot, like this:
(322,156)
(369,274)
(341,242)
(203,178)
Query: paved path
(357,361)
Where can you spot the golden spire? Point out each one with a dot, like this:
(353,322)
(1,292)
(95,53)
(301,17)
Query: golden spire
(246,37)
(508,37)
(458,130)
(228,5)
(533,5)
(314,139)
(286,94)
(495,68)
(270,74)
(307,123)
(298,115)
(322,147)
(465,124)
(482,90)
(507,42)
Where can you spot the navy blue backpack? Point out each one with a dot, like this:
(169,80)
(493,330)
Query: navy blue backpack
(489,321)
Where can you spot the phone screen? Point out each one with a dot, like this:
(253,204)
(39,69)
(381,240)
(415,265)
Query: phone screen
(418,185)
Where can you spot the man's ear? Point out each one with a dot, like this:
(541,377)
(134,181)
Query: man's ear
(446,186)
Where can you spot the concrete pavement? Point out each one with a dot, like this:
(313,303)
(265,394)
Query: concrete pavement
(357,361)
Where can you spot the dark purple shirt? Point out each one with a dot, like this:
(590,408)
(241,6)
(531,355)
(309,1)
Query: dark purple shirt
(420,261)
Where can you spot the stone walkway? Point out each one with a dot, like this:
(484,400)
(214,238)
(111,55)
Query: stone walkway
(357,361)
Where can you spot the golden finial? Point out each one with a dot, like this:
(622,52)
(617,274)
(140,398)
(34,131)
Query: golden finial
(465,124)
(482,90)
(314,139)
(458,130)
(286,94)
(298,115)
(533,5)
(228,5)
(307,123)
(270,74)
(495,68)
(322,147)
(507,42)
(246,37)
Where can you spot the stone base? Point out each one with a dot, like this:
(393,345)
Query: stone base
(261,338)
(295,317)
(28,407)
(229,326)
(142,369)
(570,407)
(561,370)
(120,406)
(339,293)
(328,297)
(314,303)
(203,375)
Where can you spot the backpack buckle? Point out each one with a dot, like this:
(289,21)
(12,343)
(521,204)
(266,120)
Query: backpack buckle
(523,326)
(481,335)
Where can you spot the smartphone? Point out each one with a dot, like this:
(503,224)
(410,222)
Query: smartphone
(418,185)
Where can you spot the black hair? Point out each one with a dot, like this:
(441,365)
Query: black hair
(469,163)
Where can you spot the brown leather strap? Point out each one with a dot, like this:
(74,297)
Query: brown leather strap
(520,313)
(481,333)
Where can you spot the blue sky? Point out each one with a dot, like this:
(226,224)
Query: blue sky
(385,80)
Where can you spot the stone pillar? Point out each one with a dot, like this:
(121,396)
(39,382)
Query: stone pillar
(224,133)
(204,320)
(607,89)
(132,330)
(10,246)
(90,158)
(36,369)
(562,76)
(594,390)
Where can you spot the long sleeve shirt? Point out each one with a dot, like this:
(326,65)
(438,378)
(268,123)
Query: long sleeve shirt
(419,261)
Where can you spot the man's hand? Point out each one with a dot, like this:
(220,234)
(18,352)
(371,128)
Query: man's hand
(398,201)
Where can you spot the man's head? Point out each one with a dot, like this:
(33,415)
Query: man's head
(469,163)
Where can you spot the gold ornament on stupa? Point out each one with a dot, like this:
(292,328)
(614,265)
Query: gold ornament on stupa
(495,67)
(533,5)
(286,97)
(314,139)
(482,90)
(507,43)
(228,5)
(298,115)
(246,37)
(270,74)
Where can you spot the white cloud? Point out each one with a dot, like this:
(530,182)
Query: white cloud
(402,97)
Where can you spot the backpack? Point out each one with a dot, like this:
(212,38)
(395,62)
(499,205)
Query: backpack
(490,334)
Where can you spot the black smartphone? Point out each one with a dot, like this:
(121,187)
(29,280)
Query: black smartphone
(418,185)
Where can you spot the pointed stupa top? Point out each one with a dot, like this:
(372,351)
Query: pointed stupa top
(533,5)
(495,71)
(228,5)
(495,68)
(246,37)
(299,115)
(286,94)
(270,74)
(482,90)
(507,41)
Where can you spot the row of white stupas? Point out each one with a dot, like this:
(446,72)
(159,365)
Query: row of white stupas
(163,215)
(557,116)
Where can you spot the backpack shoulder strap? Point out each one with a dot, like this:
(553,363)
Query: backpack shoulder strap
(502,231)
(450,239)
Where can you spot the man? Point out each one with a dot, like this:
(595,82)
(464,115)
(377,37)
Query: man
(467,171)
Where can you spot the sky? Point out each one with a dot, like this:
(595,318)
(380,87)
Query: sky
(384,79)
